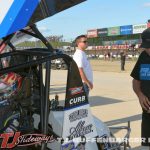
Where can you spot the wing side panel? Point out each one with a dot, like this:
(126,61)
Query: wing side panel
(17,14)
(24,15)
(10,17)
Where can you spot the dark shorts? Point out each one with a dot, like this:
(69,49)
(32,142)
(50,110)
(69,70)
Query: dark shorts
(145,128)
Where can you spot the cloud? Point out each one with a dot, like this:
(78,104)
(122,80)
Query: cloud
(146,4)
(43,29)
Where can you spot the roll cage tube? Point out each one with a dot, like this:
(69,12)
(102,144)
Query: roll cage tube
(34,32)
(73,78)
(6,41)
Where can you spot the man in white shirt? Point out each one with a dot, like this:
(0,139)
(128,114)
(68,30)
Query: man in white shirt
(83,63)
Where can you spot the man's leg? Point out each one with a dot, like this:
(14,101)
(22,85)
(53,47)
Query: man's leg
(121,64)
(145,129)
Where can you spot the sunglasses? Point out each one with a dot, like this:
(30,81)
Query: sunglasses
(84,41)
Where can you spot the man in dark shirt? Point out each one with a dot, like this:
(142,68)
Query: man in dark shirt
(141,85)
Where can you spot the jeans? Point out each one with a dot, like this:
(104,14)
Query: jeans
(145,128)
(145,147)
(86,88)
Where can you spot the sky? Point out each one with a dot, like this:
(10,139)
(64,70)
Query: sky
(94,14)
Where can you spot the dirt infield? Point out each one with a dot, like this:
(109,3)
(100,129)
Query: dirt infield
(110,66)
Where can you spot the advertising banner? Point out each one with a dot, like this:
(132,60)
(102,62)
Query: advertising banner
(126,30)
(17,14)
(92,33)
(139,28)
(113,31)
(102,32)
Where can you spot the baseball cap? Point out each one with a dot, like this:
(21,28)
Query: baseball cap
(145,38)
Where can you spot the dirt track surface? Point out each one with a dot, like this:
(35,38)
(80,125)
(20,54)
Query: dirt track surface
(112,99)
(110,66)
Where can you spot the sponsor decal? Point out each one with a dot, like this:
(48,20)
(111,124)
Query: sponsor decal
(76,90)
(80,146)
(104,142)
(23,140)
(10,78)
(77,115)
(145,72)
(80,130)
(77,100)
(71,146)
(68,146)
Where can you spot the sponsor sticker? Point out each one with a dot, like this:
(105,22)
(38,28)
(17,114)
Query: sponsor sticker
(77,115)
(68,146)
(71,146)
(76,90)
(80,130)
(145,72)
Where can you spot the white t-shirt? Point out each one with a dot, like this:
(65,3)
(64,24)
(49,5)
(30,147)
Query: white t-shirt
(82,62)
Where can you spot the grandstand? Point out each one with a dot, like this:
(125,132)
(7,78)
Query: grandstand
(126,37)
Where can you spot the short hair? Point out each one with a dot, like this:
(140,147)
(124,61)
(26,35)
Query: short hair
(78,38)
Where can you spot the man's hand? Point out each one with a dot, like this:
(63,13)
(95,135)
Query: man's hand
(144,102)
(90,85)
(84,78)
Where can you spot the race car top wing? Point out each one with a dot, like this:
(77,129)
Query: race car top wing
(17,14)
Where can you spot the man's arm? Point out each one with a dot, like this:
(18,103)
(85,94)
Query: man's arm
(84,78)
(144,102)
